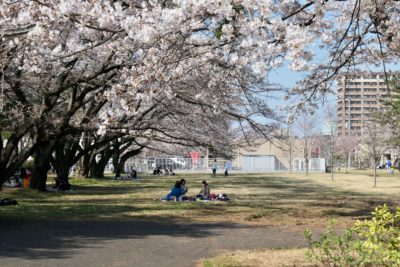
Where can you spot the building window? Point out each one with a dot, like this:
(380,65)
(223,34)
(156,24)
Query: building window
(353,96)
(369,96)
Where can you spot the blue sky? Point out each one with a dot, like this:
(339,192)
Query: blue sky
(288,78)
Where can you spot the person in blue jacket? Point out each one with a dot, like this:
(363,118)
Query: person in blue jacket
(389,166)
(176,192)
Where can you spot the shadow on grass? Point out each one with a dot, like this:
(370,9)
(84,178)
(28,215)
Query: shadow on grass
(269,196)
(62,238)
(285,195)
(360,214)
(362,211)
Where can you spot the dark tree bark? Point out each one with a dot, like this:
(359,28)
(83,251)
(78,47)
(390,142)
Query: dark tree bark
(63,159)
(97,167)
(127,156)
(11,158)
(41,165)
(115,159)
(84,166)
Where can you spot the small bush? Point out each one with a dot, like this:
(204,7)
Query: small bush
(374,242)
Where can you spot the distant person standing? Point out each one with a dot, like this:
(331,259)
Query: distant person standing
(214,169)
(389,166)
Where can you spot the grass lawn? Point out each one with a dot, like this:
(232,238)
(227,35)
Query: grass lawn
(294,201)
(267,199)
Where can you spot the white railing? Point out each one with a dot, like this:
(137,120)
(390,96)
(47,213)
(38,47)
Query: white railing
(147,165)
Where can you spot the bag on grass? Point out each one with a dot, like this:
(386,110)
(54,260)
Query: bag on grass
(223,197)
(7,202)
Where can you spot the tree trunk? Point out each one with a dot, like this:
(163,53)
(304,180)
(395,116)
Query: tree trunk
(63,173)
(61,162)
(126,156)
(84,166)
(97,169)
(115,161)
(290,159)
(306,155)
(62,166)
(41,166)
(332,166)
(374,172)
(11,158)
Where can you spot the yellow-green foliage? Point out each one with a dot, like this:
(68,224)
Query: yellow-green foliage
(374,242)
(379,238)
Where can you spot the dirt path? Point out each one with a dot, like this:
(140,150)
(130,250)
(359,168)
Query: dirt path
(130,243)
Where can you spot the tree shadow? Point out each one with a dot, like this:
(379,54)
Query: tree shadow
(325,200)
(61,239)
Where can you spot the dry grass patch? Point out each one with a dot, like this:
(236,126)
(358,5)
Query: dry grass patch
(259,258)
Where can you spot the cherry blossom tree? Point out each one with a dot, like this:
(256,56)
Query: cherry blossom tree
(374,143)
(139,56)
(346,146)
(306,126)
(331,125)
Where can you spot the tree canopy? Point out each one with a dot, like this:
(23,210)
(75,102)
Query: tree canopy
(188,72)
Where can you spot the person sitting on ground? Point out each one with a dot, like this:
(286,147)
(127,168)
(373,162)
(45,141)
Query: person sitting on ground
(205,191)
(171,172)
(176,192)
(133,174)
(166,172)
(183,186)
(157,171)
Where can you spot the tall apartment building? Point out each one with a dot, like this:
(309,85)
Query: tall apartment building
(358,96)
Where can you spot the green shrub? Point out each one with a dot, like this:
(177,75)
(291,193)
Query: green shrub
(374,242)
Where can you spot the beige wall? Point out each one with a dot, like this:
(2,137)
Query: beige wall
(276,148)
